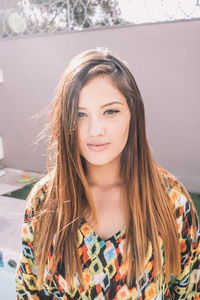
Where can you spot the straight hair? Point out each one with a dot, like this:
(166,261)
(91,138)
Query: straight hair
(150,214)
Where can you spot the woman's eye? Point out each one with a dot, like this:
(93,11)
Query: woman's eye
(111,111)
(107,112)
(81,114)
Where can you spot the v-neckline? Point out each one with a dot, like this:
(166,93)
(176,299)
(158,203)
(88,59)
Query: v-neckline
(115,236)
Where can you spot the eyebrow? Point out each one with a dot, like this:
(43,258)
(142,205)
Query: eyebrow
(107,104)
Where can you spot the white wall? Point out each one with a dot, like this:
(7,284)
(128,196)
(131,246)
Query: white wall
(165,62)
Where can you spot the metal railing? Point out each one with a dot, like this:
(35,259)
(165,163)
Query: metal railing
(20,18)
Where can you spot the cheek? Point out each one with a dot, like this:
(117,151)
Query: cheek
(123,132)
(80,136)
(81,129)
(122,128)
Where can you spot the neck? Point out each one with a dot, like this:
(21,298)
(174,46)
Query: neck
(104,176)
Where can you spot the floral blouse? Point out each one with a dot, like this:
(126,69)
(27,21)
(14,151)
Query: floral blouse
(102,261)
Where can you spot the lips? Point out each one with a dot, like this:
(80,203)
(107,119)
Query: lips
(97,144)
(98,147)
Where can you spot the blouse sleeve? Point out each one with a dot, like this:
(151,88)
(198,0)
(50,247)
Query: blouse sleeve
(187,284)
(26,272)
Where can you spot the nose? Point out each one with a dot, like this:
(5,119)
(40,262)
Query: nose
(96,127)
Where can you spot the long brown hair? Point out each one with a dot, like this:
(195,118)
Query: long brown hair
(150,211)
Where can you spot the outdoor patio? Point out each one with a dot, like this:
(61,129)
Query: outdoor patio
(11,220)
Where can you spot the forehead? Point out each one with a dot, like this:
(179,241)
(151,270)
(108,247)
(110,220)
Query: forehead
(101,89)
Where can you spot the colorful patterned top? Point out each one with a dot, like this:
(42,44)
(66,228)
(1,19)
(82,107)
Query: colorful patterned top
(102,262)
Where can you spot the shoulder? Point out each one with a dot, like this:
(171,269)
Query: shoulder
(174,188)
(36,196)
(180,199)
(182,204)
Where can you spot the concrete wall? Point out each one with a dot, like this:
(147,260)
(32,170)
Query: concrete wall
(164,59)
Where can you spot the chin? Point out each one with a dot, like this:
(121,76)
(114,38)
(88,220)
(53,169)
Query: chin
(100,161)
(97,162)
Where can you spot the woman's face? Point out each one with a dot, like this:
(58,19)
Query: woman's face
(103,121)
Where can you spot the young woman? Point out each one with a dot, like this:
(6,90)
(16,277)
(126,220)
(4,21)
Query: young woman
(107,222)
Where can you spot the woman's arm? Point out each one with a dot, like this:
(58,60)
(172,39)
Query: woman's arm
(187,284)
(26,272)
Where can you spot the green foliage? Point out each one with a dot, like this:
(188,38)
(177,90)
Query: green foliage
(196,201)
(21,193)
